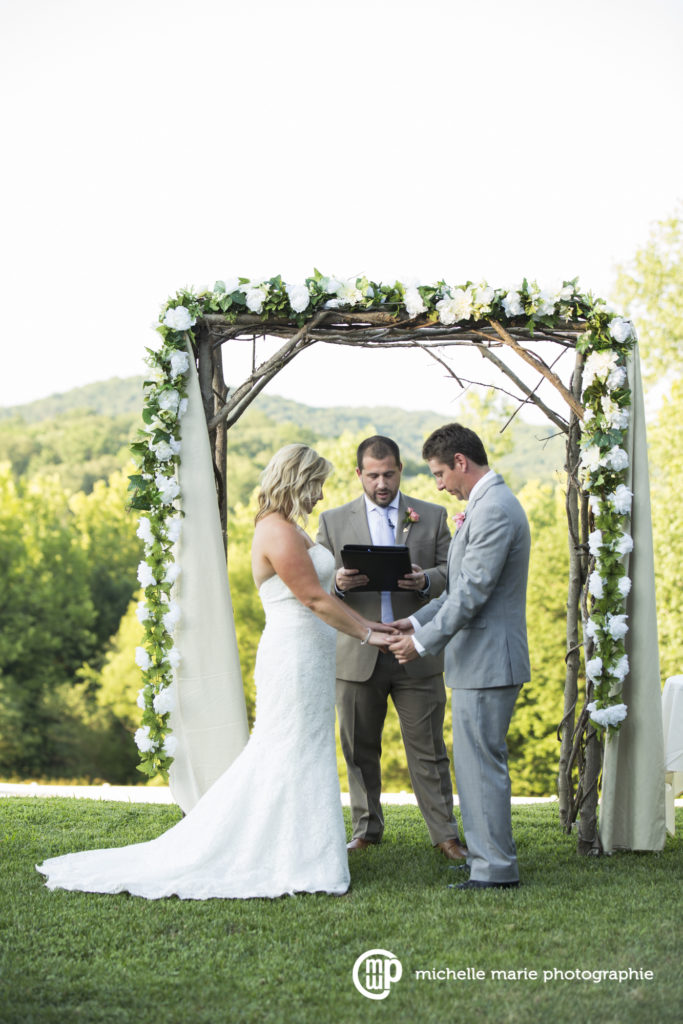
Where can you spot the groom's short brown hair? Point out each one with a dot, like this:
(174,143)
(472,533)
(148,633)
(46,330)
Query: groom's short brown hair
(379,447)
(445,442)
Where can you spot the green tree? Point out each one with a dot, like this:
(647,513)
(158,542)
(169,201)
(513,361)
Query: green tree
(111,549)
(666,485)
(46,617)
(650,289)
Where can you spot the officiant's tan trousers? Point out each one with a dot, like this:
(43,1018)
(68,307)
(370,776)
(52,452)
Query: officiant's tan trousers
(420,704)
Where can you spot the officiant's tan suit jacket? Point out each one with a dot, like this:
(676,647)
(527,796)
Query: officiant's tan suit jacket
(428,541)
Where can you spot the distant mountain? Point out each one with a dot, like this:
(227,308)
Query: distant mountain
(536,452)
(118,396)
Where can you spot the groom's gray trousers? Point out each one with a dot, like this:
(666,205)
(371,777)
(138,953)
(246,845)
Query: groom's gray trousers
(481,719)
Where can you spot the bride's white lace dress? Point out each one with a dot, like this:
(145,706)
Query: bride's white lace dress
(272,824)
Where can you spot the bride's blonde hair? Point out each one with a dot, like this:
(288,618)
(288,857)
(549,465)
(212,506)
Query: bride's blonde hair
(290,481)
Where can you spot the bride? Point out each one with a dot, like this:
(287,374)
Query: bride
(272,823)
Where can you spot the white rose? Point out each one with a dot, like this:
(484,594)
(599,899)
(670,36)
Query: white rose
(299,297)
(595,585)
(624,585)
(591,629)
(145,575)
(164,701)
(594,669)
(157,375)
(594,502)
(180,362)
(512,304)
(413,302)
(620,329)
(172,616)
(163,451)
(595,542)
(142,659)
(616,416)
(616,378)
(170,746)
(179,319)
(598,366)
(567,292)
(616,458)
(172,573)
(348,294)
(232,284)
(617,626)
(173,527)
(483,298)
(255,298)
(141,702)
(446,311)
(546,304)
(182,408)
(143,740)
(462,303)
(591,458)
(621,500)
(607,716)
(168,488)
(625,544)
(621,669)
(142,612)
(144,530)
(168,400)
(173,657)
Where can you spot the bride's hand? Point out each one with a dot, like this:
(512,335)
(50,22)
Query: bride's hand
(380,639)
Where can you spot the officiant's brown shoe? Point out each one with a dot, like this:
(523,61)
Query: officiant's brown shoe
(452,849)
(359,844)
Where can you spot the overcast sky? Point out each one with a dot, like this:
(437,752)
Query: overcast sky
(153,144)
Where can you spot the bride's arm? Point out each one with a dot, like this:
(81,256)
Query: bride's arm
(279,545)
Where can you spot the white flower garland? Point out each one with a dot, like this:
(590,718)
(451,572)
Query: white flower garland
(603,460)
(604,463)
(156,489)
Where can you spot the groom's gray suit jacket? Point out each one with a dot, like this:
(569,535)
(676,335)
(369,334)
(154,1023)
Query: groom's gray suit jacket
(480,619)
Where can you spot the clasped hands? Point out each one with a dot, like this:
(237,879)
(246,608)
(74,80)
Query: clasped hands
(396,637)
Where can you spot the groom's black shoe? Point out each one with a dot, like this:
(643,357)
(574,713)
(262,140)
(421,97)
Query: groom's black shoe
(452,849)
(359,844)
(472,884)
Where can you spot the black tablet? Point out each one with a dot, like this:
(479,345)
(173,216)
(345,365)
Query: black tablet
(383,565)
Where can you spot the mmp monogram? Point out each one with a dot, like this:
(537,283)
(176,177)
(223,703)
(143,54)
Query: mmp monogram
(374,972)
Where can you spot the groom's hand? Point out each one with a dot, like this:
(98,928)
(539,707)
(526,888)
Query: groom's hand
(349,579)
(402,626)
(403,649)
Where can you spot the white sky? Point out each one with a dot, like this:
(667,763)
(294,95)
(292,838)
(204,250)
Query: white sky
(152,144)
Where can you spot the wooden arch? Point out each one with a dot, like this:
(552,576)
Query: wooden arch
(580,745)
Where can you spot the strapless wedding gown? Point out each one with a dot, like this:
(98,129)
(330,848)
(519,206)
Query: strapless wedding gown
(272,823)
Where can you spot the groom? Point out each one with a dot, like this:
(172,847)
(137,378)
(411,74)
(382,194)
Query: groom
(480,622)
(365,677)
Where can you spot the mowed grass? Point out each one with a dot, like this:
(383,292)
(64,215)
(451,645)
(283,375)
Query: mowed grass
(68,957)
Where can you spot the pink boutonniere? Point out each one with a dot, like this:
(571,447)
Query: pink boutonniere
(459,519)
(411,516)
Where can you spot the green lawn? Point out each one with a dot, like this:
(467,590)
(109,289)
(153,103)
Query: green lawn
(69,957)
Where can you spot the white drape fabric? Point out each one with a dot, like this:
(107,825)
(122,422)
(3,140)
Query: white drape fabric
(210,718)
(632,809)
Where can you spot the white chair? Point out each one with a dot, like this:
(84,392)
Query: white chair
(672,720)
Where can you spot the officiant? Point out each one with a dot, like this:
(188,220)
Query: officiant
(366,677)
